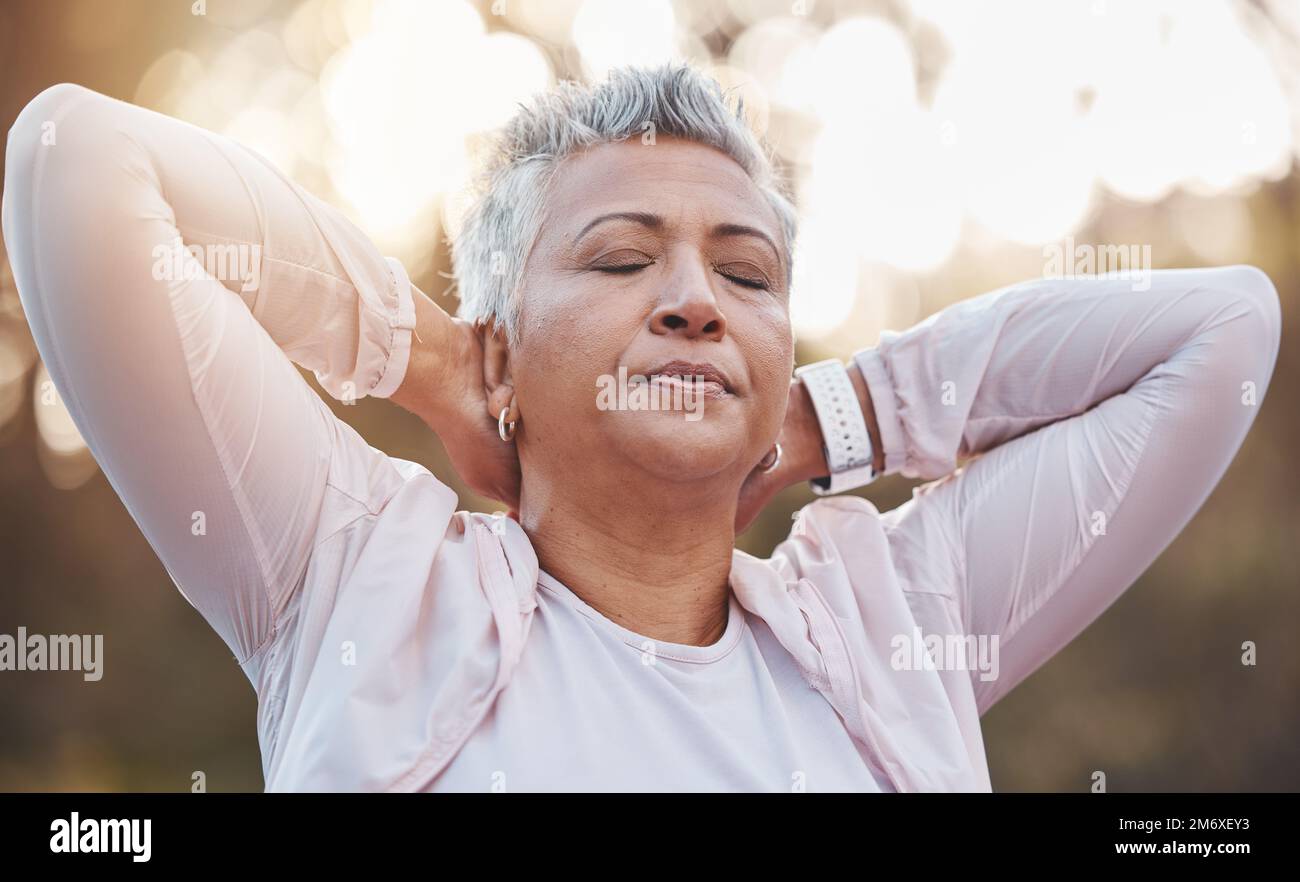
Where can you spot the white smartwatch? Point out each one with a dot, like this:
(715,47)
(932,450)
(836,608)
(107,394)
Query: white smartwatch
(845,438)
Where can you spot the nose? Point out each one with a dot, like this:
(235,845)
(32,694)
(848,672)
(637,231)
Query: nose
(688,306)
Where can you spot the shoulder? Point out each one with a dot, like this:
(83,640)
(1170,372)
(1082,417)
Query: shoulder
(834,525)
(363,483)
(400,509)
(835,535)
(398,517)
(908,548)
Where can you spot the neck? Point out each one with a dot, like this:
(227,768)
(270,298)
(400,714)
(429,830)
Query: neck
(653,559)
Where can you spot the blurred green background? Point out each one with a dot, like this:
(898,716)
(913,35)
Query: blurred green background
(934,147)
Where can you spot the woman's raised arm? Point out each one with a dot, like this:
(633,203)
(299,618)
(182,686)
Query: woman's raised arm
(172,361)
(1099,414)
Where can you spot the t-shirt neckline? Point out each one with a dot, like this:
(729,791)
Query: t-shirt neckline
(659,648)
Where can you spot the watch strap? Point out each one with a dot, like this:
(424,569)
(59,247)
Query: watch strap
(845,438)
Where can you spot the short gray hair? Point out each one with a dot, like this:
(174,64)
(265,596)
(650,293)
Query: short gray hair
(504,218)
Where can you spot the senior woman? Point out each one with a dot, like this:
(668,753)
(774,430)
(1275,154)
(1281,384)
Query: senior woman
(607,635)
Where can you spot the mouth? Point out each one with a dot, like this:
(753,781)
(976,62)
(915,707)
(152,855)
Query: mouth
(694,377)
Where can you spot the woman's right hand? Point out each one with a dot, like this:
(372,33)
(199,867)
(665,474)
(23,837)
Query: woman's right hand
(444,387)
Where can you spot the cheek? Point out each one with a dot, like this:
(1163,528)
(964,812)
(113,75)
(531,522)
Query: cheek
(579,321)
(568,342)
(769,347)
(769,353)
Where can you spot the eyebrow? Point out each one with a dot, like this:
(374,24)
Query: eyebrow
(655,222)
(743,230)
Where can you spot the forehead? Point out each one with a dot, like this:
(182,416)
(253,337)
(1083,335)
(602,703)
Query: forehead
(683,181)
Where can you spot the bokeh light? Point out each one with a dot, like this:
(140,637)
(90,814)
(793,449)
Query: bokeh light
(62,451)
(907,134)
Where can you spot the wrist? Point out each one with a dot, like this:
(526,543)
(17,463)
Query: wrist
(802,442)
(869,415)
(839,401)
(423,390)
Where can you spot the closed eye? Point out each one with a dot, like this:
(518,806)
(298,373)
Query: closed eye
(744,275)
(623,268)
(622,260)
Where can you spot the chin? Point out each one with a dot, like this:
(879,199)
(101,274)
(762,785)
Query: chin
(681,449)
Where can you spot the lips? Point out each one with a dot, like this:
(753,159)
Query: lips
(691,373)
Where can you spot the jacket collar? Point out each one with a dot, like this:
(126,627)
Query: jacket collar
(905,719)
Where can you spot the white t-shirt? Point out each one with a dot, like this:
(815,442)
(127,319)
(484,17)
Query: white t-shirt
(1068,430)
(596,707)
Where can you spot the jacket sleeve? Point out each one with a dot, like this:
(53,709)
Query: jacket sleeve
(1071,428)
(169,276)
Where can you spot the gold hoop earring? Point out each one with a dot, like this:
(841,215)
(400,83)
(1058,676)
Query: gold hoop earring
(504,429)
(775,453)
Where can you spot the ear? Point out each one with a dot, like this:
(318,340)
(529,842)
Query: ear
(498,387)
